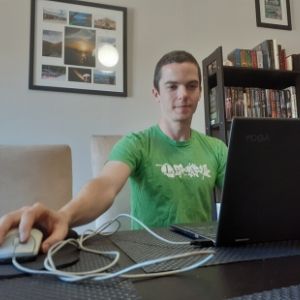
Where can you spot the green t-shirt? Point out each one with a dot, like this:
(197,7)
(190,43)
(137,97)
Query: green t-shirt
(171,182)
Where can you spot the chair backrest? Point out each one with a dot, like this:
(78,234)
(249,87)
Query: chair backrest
(34,173)
(101,146)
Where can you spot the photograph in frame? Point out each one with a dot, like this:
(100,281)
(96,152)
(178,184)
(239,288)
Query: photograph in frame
(273,14)
(78,47)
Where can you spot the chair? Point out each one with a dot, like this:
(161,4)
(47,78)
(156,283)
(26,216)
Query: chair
(101,146)
(34,173)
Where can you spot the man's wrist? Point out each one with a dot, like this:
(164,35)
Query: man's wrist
(67,216)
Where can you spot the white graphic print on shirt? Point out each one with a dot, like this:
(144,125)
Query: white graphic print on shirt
(190,170)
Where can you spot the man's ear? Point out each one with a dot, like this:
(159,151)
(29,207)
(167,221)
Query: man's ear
(155,93)
(200,94)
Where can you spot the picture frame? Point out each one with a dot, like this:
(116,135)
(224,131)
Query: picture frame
(273,14)
(70,42)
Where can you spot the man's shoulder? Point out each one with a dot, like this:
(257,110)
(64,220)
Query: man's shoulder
(142,134)
(201,136)
(210,141)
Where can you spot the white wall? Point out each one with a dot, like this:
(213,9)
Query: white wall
(154,27)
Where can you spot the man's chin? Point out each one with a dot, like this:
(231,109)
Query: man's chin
(183,118)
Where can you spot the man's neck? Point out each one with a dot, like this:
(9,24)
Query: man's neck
(177,132)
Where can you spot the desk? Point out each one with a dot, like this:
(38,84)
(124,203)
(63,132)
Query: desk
(210,282)
(224,281)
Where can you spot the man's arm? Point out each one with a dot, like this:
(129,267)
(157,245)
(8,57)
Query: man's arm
(93,200)
(97,195)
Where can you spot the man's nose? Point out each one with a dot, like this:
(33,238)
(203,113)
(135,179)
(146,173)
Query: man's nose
(182,92)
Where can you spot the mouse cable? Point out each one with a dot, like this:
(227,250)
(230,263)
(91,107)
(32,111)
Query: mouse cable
(100,273)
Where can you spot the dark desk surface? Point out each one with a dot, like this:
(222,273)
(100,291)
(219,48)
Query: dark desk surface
(211,282)
(224,281)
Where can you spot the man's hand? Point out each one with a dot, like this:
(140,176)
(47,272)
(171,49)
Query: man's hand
(53,224)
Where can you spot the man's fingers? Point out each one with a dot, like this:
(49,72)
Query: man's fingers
(9,221)
(55,237)
(30,216)
(37,215)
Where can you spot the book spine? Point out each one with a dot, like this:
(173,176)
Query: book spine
(268,102)
(282,64)
(263,103)
(260,62)
(271,54)
(239,104)
(275,54)
(228,103)
(244,61)
(253,59)
(273,103)
(292,90)
(257,102)
(248,102)
(278,107)
(289,63)
(235,57)
(213,106)
(283,108)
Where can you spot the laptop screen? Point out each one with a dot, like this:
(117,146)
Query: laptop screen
(261,193)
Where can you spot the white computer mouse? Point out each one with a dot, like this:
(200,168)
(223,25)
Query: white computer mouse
(12,246)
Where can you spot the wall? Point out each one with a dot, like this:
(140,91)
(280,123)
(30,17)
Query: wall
(154,27)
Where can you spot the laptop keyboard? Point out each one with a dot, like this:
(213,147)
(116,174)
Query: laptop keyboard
(208,231)
(197,231)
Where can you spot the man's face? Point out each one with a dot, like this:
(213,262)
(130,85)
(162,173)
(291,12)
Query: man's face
(179,91)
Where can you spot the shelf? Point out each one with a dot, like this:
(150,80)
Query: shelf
(218,76)
(262,78)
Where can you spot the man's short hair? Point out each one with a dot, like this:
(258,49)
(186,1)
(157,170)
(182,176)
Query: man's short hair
(177,56)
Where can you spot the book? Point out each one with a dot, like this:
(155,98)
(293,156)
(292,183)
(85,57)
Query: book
(254,63)
(268,103)
(259,56)
(273,103)
(292,91)
(268,54)
(239,104)
(293,62)
(282,100)
(263,102)
(287,96)
(265,48)
(282,60)
(275,54)
(228,103)
(289,63)
(213,106)
(247,95)
(235,57)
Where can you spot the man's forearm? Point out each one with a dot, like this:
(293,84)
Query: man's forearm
(92,200)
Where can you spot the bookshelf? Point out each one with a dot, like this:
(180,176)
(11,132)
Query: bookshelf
(216,77)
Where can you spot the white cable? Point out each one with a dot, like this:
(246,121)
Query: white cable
(50,265)
(100,274)
(105,276)
(149,230)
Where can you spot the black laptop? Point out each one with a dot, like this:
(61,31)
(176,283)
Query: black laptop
(261,193)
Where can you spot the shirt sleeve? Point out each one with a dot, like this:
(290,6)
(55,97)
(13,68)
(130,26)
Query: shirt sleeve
(127,150)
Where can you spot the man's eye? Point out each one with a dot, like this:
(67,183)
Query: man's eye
(172,87)
(192,86)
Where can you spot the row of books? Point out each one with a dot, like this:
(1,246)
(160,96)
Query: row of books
(257,102)
(254,102)
(267,55)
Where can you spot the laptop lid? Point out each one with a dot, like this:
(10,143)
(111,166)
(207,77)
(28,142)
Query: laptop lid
(261,193)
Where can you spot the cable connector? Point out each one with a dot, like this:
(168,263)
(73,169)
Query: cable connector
(202,243)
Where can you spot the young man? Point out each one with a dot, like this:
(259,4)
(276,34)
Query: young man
(172,168)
